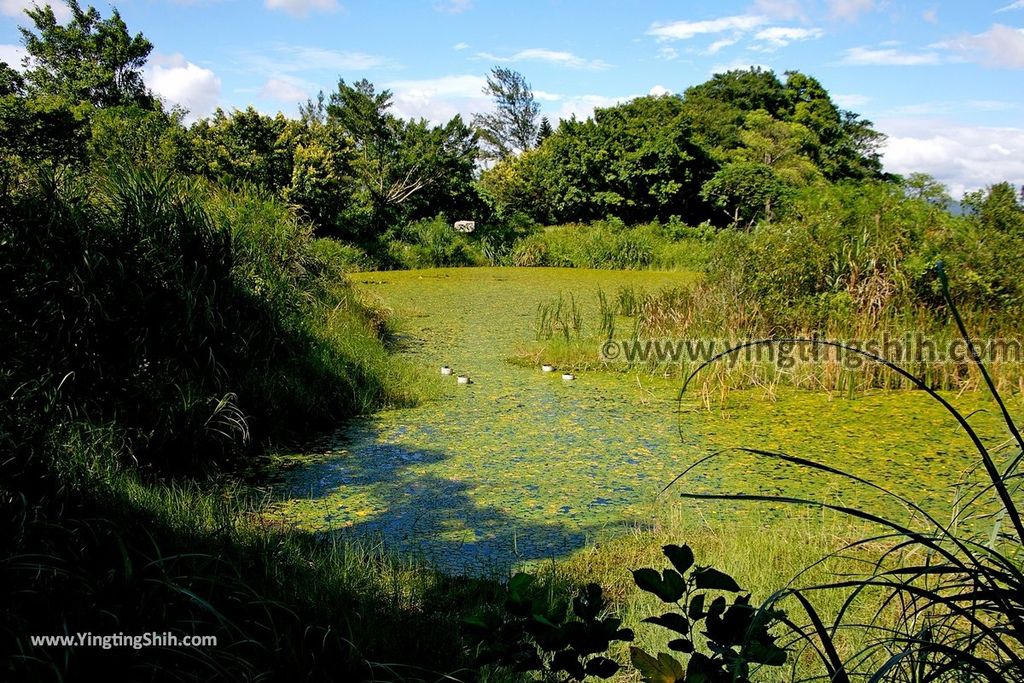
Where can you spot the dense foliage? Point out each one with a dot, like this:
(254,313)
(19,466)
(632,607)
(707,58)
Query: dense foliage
(171,294)
(737,143)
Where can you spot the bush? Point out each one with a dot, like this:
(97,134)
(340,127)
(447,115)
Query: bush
(608,244)
(179,312)
(432,243)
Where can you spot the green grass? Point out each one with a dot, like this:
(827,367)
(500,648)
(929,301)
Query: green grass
(763,553)
(700,313)
(199,558)
(612,245)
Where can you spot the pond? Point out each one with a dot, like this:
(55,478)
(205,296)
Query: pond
(521,466)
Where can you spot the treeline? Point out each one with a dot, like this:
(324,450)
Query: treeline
(726,151)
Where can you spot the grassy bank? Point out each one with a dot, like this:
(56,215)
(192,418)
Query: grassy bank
(110,553)
(158,333)
(670,331)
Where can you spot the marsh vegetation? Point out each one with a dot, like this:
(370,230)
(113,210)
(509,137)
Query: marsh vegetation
(223,415)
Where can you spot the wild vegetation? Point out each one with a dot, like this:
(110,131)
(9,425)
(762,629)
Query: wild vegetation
(175,300)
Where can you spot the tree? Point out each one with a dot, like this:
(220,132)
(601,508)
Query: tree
(746,191)
(322,182)
(244,146)
(778,144)
(89,59)
(545,130)
(35,129)
(746,90)
(636,161)
(387,178)
(513,127)
(923,187)
(997,208)
(404,169)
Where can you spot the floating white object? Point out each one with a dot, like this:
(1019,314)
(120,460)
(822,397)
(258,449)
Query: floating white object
(568,376)
(547,368)
(465,226)
(445,370)
(464,379)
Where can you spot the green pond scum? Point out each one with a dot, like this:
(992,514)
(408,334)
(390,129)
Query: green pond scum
(521,466)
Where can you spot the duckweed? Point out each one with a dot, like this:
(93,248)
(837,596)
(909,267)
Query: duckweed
(522,467)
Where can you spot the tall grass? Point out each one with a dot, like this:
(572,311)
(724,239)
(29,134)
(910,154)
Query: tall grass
(952,590)
(156,328)
(433,243)
(707,312)
(187,315)
(612,245)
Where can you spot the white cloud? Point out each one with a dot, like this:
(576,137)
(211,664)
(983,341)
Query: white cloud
(539,54)
(460,46)
(1013,5)
(781,36)
(439,99)
(453,6)
(301,8)
(659,90)
(993,105)
(583,106)
(849,10)
(668,53)
(931,15)
(181,82)
(962,157)
(12,54)
(545,96)
(999,46)
(862,56)
(284,90)
(718,45)
(684,30)
(16,8)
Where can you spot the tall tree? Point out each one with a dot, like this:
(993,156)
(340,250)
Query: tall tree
(403,168)
(545,130)
(513,127)
(88,59)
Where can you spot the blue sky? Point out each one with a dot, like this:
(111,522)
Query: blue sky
(942,79)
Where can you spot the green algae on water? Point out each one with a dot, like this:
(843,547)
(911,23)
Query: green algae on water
(521,466)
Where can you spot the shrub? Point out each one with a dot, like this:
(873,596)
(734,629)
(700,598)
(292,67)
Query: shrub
(177,312)
(432,243)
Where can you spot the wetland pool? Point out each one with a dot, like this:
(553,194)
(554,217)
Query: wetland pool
(521,466)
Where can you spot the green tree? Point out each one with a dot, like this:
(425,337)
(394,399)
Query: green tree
(778,144)
(997,208)
(404,169)
(88,59)
(544,131)
(636,161)
(926,188)
(244,146)
(746,90)
(41,129)
(322,182)
(513,127)
(747,191)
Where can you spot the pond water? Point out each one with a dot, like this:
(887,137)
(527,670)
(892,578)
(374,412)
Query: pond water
(522,466)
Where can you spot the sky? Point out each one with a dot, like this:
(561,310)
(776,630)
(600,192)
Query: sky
(944,80)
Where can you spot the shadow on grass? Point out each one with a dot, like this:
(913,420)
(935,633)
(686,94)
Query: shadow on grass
(434,518)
